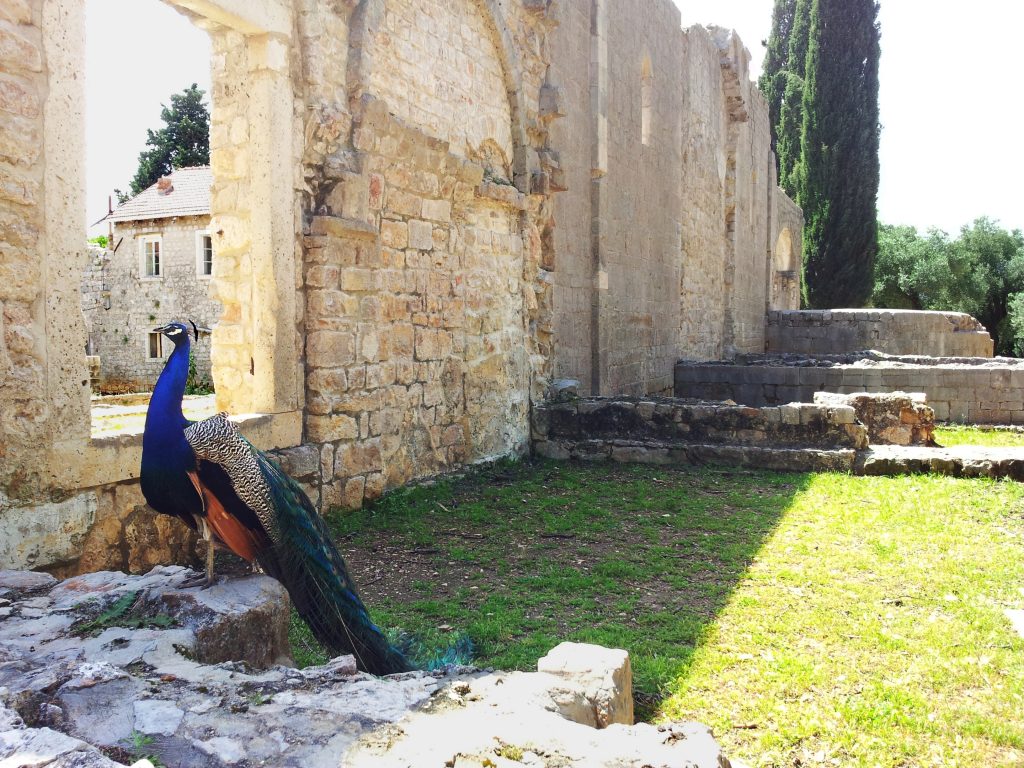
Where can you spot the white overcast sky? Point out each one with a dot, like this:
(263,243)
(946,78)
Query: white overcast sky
(951,110)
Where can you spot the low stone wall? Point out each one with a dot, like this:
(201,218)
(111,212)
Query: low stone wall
(893,331)
(960,390)
(796,436)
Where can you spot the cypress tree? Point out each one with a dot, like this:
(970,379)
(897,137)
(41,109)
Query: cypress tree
(791,109)
(837,177)
(773,77)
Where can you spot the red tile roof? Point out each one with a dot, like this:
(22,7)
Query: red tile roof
(189,196)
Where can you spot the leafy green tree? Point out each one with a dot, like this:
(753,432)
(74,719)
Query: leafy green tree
(993,270)
(1015,323)
(981,273)
(183,142)
(837,177)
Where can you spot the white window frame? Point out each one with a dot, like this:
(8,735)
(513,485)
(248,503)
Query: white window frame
(143,265)
(160,346)
(201,253)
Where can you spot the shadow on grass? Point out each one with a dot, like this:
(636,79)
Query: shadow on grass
(523,556)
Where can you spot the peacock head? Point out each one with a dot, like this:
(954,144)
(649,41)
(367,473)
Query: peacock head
(176,332)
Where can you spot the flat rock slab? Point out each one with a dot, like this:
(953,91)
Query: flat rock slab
(1016,621)
(82,699)
(956,461)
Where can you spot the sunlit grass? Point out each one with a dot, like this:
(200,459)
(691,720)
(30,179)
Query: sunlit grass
(870,631)
(953,434)
(810,619)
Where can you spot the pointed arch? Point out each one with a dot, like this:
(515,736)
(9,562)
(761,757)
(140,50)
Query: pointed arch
(369,17)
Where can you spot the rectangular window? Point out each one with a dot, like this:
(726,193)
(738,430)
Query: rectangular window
(207,255)
(204,254)
(150,256)
(156,346)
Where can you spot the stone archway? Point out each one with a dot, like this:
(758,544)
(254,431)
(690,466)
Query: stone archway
(785,281)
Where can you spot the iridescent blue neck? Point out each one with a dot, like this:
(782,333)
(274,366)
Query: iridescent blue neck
(164,417)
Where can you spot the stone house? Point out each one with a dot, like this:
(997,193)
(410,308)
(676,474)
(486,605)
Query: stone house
(423,213)
(159,265)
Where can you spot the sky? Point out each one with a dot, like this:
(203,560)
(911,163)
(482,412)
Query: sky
(950,100)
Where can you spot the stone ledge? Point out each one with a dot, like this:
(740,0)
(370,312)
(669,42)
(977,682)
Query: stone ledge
(957,461)
(116,458)
(666,454)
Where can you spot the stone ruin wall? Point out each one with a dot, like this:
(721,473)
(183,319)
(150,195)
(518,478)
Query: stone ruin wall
(394,273)
(891,331)
(43,379)
(960,390)
(665,249)
(404,336)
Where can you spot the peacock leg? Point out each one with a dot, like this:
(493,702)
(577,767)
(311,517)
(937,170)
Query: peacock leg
(205,580)
(209,560)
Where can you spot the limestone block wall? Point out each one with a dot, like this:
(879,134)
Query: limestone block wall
(447,51)
(574,245)
(639,199)
(391,249)
(795,436)
(429,329)
(426,302)
(44,382)
(958,390)
(705,129)
(892,331)
(120,334)
(749,180)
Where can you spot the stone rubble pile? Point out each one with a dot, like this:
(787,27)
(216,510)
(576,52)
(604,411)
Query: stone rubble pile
(895,418)
(108,669)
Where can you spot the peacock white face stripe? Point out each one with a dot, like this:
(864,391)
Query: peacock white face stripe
(217,440)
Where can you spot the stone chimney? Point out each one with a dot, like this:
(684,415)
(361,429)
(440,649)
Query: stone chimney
(164,186)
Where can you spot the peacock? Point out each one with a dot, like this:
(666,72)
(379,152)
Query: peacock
(210,477)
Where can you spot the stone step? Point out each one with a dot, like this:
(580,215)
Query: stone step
(956,461)
(680,453)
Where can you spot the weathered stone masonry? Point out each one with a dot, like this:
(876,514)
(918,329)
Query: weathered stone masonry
(673,238)
(422,211)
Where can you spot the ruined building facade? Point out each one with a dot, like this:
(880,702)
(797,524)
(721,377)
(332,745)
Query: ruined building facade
(423,212)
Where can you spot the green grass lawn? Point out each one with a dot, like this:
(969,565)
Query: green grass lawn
(809,619)
(954,434)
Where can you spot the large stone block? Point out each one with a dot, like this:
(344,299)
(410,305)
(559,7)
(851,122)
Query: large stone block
(605,675)
(327,429)
(46,534)
(330,349)
(17,51)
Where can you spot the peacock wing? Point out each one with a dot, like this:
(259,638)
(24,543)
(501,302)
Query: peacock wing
(237,501)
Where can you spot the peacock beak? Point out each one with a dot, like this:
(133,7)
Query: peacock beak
(161,329)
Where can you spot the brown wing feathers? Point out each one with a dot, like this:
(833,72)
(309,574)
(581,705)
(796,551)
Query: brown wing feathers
(240,539)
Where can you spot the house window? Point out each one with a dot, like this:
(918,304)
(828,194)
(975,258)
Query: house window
(150,256)
(156,346)
(204,254)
